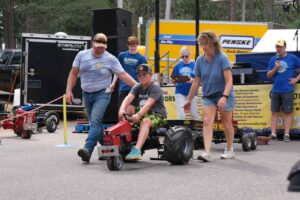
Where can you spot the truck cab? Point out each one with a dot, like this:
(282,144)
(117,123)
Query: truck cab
(10,62)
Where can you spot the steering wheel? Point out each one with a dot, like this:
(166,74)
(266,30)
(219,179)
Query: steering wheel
(128,116)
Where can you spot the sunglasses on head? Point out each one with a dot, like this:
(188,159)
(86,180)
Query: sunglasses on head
(184,56)
(101,41)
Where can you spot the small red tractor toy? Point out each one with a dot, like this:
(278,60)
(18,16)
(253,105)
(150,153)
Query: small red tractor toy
(23,125)
(177,147)
(25,121)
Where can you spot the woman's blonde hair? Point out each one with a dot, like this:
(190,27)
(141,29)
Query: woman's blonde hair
(210,38)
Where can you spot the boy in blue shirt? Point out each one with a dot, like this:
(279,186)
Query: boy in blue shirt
(129,60)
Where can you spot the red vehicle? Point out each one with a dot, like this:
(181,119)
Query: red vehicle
(177,147)
(26,121)
(23,125)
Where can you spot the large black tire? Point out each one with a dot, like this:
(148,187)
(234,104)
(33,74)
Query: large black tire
(253,140)
(115,163)
(178,145)
(246,142)
(198,140)
(26,134)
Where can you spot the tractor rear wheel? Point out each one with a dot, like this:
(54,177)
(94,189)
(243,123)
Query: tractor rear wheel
(178,145)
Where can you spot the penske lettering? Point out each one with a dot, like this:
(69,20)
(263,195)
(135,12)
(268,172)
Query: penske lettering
(237,42)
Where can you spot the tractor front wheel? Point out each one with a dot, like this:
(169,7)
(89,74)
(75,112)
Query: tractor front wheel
(115,163)
(26,134)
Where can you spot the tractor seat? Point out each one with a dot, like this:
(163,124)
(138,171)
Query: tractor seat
(159,131)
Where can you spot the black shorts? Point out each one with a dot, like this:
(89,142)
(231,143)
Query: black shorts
(282,101)
(122,96)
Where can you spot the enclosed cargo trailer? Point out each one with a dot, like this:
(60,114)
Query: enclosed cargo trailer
(46,62)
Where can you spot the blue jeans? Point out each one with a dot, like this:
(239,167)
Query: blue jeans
(95,105)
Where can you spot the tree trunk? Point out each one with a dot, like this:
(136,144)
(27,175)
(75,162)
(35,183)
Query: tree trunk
(251,10)
(232,10)
(269,10)
(9,36)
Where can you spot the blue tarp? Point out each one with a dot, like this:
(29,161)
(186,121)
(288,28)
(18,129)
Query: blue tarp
(259,62)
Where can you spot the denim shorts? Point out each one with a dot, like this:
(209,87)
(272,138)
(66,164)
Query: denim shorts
(283,100)
(212,100)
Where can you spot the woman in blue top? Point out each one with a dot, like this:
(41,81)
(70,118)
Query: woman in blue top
(185,68)
(213,70)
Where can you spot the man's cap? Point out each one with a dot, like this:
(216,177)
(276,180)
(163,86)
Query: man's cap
(144,68)
(281,43)
(100,40)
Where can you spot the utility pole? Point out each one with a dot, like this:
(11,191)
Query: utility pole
(156,53)
(197,19)
(1,28)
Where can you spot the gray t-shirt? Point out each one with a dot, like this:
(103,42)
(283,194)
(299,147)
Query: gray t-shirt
(211,74)
(96,72)
(152,91)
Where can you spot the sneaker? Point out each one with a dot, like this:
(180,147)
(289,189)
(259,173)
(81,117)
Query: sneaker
(286,138)
(134,154)
(273,136)
(228,154)
(84,154)
(206,157)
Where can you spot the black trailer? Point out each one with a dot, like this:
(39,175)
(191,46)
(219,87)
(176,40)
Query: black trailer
(46,63)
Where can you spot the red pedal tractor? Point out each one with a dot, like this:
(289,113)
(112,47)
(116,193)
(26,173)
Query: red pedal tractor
(23,125)
(27,121)
(177,147)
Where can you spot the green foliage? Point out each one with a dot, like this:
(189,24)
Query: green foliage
(74,16)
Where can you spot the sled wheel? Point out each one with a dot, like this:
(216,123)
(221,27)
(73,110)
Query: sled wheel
(198,140)
(51,124)
(246,142)
(253,140)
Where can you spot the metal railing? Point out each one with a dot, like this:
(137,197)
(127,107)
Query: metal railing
(167,68)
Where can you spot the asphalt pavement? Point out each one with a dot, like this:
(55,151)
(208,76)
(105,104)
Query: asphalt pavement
(39,168)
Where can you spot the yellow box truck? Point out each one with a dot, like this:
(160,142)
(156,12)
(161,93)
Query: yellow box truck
(235,37)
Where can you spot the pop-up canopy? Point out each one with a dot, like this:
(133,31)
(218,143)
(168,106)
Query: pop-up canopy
(267,42)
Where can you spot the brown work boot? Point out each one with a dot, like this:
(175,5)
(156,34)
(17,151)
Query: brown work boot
(84,154)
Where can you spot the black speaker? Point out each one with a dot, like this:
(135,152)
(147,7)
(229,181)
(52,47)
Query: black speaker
(116,24)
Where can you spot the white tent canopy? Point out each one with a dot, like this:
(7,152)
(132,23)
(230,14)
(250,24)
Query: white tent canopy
(267,42)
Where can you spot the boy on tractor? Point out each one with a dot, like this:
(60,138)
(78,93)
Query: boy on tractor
(150,112)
